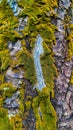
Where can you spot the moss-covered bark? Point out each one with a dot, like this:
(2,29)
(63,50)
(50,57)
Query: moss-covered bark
(39,15)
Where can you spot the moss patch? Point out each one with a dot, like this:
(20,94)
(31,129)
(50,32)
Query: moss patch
(25,59)
(48,67)
(48,119)
(5,123)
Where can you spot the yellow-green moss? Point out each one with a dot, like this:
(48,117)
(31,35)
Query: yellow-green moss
(7,90)
(5,123)
(21,97)
(38,23)
(71,80)
(70,42)
(16,122)
(38,20)
(25,59)
(27,105)
(5,59)
(48,67)
(7,23)
(49,118)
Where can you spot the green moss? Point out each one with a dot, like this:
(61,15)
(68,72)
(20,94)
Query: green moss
(28,105)
(7,90)
(38,23)
(47,32)
(17,122)
(26,60)
(1,79)
(4,57)
(68,26)
(3,46)
(4,121)
(71,80)
(48,67)
(25,2)
(21,97)
(37,19)
(70,42)
(48,120)
(7,23)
